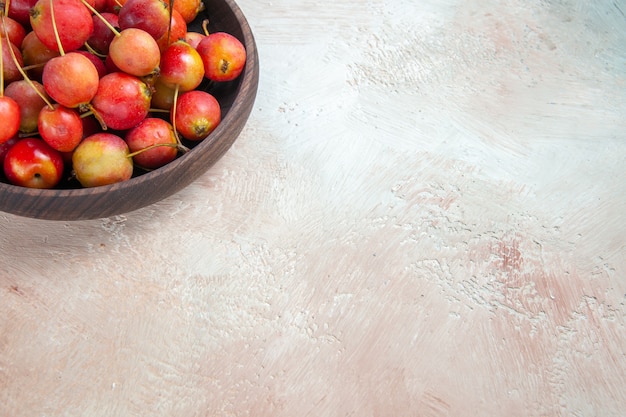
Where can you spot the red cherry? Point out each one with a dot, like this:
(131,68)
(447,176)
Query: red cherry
(102,35)
(9,118)
(70,79)
(74,23)
(182,66)
(197,114)
(153,16)
(15,30)
(188,9)
(32,163)
(224,56)
(178,30)
(5,146)
(60,127)
(29,100)
(11,72)
(150,132)
(20,9)
(122,100)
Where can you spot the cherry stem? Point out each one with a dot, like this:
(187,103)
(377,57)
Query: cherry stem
(54,28)
(169,25)
(106,22)
(89,110)
(30,67)
(6,7)
(174,115)
(21,70)
(147,148)
(93,51)
(205,26)
(2,60)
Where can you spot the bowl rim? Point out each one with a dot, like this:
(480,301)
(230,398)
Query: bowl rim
(249,78)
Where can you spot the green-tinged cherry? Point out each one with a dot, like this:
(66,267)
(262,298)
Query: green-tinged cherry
(162,96)
(102,159)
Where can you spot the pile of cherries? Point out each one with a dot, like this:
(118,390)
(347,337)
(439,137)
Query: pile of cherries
(101,88)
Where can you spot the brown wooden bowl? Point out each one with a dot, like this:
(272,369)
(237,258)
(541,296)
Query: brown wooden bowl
(70,202)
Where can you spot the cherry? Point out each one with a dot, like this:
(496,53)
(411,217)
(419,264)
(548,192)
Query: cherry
(162,96)
(177,30)
(11,71)
(61,24)
(224,56)
(100,5)
(70,79)
(9,109)
(19,10)
(102,35)
(122,100)
(194,38)
(9,118)
(110,65)
(114,6)
(35,54)
(188,9)
(181,67)
(15,30)
(153,142)
(135,52)
(91,125)
(60,127)
(132,50)
(152,16)
(4,148)
(96,61)
(101,159)
(32,163)
(28,97)
(196,114)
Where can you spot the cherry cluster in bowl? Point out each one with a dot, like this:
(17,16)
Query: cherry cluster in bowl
(99,88)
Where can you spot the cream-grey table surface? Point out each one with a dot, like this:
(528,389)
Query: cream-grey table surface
(424,216)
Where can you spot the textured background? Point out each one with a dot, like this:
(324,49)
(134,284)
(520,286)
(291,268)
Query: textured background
(425,216)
